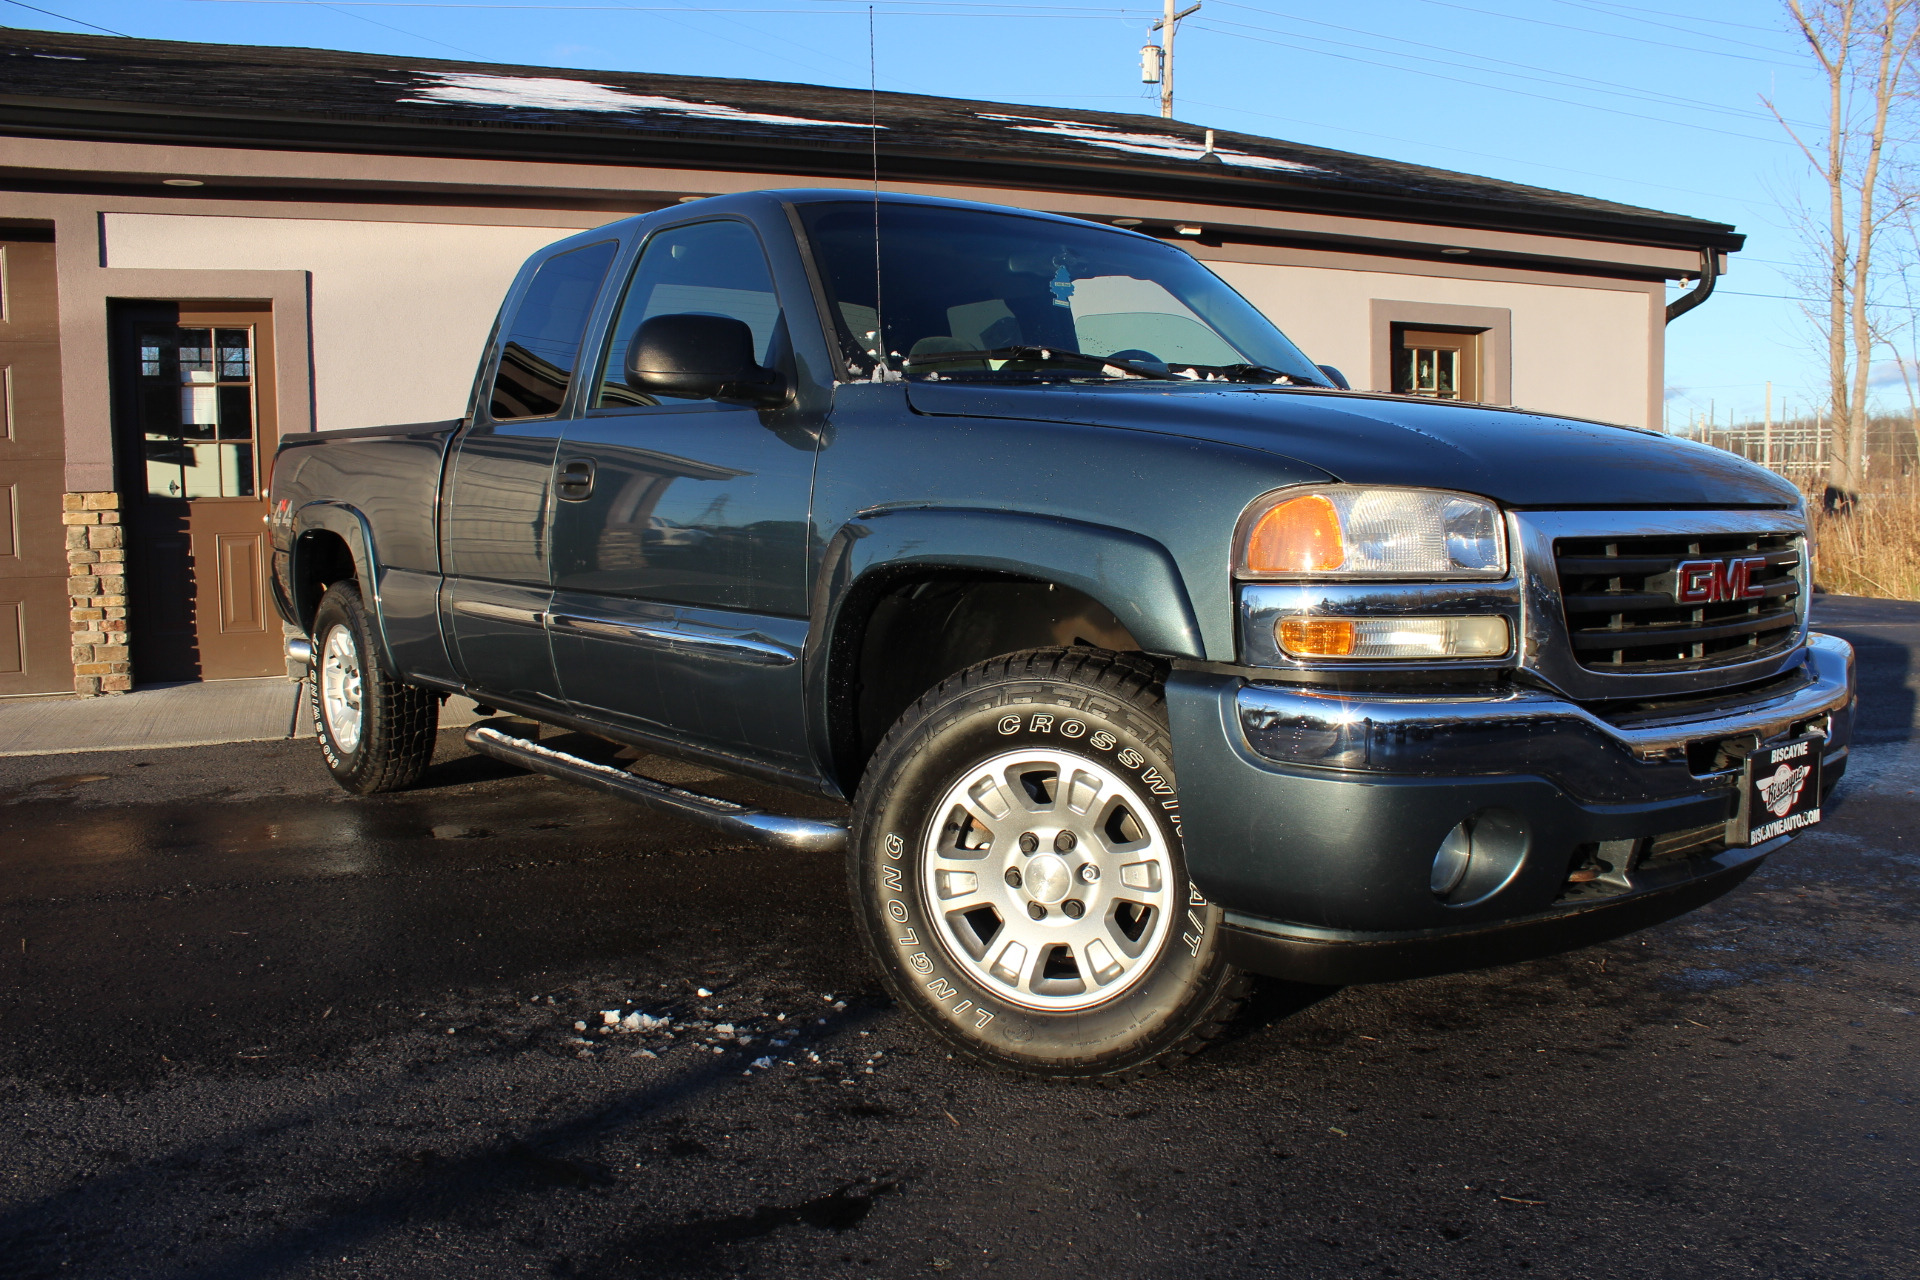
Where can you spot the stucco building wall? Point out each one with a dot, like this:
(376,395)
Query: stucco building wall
(1576,349)
(400,310)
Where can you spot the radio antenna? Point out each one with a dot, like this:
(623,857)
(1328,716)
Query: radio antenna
(873,147)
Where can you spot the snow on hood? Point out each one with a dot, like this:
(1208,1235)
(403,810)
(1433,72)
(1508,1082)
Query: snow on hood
(544,93)
(1161,145)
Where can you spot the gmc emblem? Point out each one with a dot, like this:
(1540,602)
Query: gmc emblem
(1718,581)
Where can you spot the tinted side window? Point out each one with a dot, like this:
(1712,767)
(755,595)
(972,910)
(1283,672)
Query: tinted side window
(712,268)
(542,342)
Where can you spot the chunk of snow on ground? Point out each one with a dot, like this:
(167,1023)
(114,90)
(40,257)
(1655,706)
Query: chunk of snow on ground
(724,1029)
(579,1026)
(610,1017)
(763,1063)
(1162,145)
(702,992)
(552,93)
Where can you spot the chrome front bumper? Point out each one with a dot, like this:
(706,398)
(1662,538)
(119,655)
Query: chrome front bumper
(1527,731)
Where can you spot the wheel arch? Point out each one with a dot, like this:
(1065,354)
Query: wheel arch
(332,543)
(981,583)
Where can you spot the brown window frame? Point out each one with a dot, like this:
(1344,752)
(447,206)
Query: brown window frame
(1390,318)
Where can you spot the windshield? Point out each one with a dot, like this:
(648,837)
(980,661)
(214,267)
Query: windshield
(968,294)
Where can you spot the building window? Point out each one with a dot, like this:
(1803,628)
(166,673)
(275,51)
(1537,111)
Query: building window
(1443,364)
(195,410)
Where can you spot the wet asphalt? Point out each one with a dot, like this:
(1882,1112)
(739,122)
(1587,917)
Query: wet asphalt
(253,1027)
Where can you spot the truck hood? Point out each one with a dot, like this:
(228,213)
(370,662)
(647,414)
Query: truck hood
(1515,457)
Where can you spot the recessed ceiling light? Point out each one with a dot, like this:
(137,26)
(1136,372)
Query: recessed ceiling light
(182,182)
(688,199)
(1454,253)
(1189,230)
(1126,222)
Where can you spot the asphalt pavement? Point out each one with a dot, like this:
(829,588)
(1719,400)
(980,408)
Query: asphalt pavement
(253,1027)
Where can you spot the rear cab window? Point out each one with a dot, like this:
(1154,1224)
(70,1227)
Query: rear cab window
(540,345)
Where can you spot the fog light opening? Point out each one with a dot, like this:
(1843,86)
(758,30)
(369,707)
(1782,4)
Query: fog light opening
(1451,863)
(1479,857)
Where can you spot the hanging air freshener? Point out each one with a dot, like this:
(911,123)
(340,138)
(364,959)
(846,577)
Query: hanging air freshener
(1062,286)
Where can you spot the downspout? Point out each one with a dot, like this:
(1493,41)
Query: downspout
(1709,272)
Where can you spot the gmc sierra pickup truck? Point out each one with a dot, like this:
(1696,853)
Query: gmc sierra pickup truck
(1142,654)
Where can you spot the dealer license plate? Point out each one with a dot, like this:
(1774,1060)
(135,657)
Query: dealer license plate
(1779,791)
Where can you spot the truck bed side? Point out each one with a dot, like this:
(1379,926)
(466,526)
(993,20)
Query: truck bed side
(365,504)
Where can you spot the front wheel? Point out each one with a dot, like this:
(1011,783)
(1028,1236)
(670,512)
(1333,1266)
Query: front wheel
(376,733)
(1015,861)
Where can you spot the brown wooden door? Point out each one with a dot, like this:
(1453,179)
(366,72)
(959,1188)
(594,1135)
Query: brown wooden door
(196,433)
(35,635)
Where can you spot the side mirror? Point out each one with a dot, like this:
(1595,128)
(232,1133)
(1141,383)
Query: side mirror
(701,357)
(1334,376)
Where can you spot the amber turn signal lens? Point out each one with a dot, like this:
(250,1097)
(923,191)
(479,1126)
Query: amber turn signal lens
(1317,637)
(1300,536)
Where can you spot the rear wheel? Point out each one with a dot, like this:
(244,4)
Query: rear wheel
(376,733)
(1016,864)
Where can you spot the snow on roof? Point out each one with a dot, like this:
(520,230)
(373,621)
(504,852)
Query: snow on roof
(1162,145)
(546,93)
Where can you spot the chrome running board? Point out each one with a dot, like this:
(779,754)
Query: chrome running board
(773,830)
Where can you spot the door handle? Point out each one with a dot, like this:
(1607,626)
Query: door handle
(576,479)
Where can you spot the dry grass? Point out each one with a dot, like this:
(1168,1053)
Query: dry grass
(1875,551)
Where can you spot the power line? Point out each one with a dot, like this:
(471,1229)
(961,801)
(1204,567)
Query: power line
(1488,155)
(1479,84)
(415,34)
(1007,11)
(1611,10)
(1591,31)
(76,21)
(1563,78)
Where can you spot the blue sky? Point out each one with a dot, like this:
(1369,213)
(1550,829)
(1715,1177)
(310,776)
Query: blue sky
(1655,105)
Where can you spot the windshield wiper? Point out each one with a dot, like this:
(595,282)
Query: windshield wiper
(1250,372)
(1046,355)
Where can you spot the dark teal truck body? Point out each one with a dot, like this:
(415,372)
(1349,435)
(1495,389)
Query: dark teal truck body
(765,588)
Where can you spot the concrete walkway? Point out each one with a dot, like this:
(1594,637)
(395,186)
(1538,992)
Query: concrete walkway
(180,715)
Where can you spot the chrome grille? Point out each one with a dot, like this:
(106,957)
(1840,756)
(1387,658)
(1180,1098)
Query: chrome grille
(1679,602)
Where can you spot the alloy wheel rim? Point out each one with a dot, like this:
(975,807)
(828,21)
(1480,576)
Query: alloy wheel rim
(340,688)
(1047,879)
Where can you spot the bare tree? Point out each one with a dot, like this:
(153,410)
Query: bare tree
(1866,51)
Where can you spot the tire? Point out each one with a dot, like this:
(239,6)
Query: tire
(376,733)
(967,856)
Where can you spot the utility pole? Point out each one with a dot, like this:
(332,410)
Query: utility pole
(1156,65)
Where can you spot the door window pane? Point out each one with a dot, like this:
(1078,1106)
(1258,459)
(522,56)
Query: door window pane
(195,411)
(709,268)
(543,340)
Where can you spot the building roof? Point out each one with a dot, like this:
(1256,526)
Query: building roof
(106,88)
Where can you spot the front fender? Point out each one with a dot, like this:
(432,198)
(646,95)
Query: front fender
(1132,576)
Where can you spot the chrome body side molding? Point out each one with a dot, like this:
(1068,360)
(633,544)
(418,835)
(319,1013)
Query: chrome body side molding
(499,612)
(678,638)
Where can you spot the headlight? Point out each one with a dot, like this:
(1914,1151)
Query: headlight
(1351,531)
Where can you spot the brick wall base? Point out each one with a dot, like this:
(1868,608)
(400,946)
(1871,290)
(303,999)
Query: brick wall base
(97,593)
